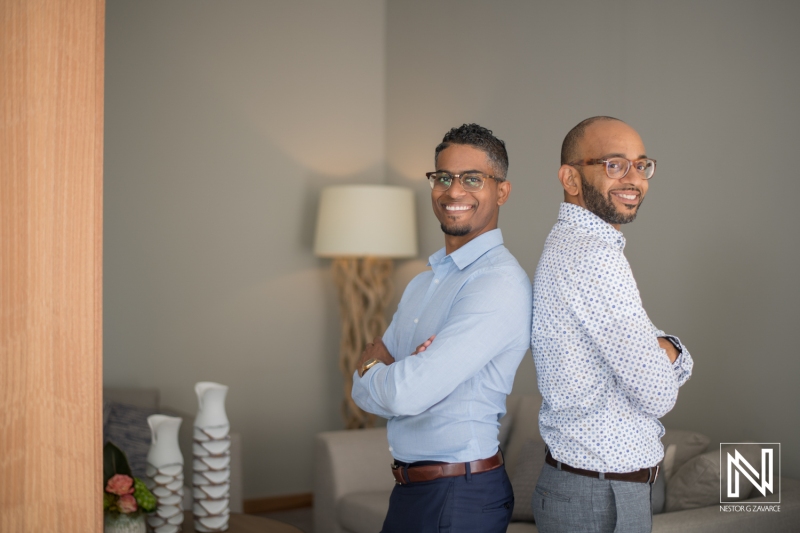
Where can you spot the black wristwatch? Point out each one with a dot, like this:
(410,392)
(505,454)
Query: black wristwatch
(674,342)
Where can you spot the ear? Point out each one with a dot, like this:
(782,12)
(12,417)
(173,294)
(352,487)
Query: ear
(503,190)
(570,180)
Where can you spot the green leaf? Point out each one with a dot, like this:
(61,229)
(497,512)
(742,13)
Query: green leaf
(108,501)
(114,462)
(144,498)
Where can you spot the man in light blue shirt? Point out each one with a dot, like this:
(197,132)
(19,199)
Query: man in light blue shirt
(443,369)
(606,373)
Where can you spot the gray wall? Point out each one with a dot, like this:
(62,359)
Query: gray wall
(224,120)
(713,89)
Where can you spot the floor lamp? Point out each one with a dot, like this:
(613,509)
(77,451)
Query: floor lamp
(363,227)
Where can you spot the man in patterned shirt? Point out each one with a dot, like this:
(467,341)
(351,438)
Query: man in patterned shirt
(606,373)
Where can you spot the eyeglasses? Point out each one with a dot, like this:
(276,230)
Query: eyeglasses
(618,167)
(470,181)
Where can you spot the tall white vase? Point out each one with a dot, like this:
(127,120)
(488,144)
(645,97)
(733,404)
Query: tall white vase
(212,459)
(165,474)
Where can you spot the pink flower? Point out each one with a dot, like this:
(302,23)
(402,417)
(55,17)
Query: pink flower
(127,503)
(120,484)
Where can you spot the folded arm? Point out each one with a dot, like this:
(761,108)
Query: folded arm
(682,361)
(608,306)
(491,315)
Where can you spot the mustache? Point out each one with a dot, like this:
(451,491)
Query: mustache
(628,188)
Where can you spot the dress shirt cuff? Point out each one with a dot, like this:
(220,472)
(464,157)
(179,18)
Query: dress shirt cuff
(362,392)
(676,342)
(682,367)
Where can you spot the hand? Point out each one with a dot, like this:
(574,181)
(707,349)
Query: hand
(672,352)
(375,350)
(424,346)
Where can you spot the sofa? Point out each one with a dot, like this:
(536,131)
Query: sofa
(125,412)
(353,481)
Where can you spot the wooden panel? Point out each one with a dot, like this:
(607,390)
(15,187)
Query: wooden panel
(51,125)
(278,503)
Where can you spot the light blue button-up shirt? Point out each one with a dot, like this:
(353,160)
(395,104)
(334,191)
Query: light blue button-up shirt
(445,403)
(604,378)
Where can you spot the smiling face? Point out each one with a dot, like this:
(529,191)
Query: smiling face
(465,215)
(616,201)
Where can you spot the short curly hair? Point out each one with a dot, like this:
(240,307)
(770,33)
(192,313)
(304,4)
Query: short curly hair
(482,138)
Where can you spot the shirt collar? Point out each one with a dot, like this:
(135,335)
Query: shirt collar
(470,252)
(580,216)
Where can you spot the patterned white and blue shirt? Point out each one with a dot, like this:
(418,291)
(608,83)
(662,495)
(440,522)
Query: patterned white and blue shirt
(445,403)
(604,379)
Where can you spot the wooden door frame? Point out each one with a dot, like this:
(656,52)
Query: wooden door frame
(51,208)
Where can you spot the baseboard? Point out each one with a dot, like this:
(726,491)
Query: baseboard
(271,504)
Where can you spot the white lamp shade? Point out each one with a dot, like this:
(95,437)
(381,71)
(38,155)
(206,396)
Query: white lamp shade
(366,220)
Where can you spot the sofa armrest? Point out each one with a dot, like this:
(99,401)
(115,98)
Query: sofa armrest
(346,462)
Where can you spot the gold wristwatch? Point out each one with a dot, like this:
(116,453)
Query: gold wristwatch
(369,364)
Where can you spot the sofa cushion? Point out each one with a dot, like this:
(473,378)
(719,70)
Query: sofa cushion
(697,483)
(364,512)
(526,474)
(524,427)
(658,494)
(688,444)
(126,426)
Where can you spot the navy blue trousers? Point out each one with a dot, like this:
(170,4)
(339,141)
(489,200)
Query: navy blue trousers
(475,503)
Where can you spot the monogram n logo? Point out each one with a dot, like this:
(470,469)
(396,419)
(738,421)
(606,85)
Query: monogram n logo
(763,479)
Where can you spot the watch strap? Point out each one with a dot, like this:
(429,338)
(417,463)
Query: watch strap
(366,366)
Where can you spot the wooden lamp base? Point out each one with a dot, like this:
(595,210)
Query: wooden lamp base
(365,288)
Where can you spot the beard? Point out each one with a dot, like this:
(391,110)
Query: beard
(604,207)
(456,231)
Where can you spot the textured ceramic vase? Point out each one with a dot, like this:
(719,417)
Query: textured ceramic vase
(165,474)
(123,523)
(212,459)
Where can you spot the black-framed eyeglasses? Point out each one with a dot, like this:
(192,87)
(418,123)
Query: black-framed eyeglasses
(618,167)
(470,181)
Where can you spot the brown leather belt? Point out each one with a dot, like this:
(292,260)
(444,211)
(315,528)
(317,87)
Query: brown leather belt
(645,475)
(404,475)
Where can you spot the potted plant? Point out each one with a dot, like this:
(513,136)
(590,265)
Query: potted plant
(125,497)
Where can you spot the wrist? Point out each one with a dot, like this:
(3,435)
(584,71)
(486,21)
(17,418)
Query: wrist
(673,341)
(366,366)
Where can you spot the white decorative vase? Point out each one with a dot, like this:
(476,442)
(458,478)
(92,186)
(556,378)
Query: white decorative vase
(212,459)
(123,523)
(165,474)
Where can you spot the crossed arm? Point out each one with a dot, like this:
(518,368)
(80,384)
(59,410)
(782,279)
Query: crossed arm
(490,316)
(377,350)
(647,365)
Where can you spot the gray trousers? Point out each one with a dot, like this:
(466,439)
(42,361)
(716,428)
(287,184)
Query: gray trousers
(566,503)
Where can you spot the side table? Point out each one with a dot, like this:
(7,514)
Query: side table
(245,523)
